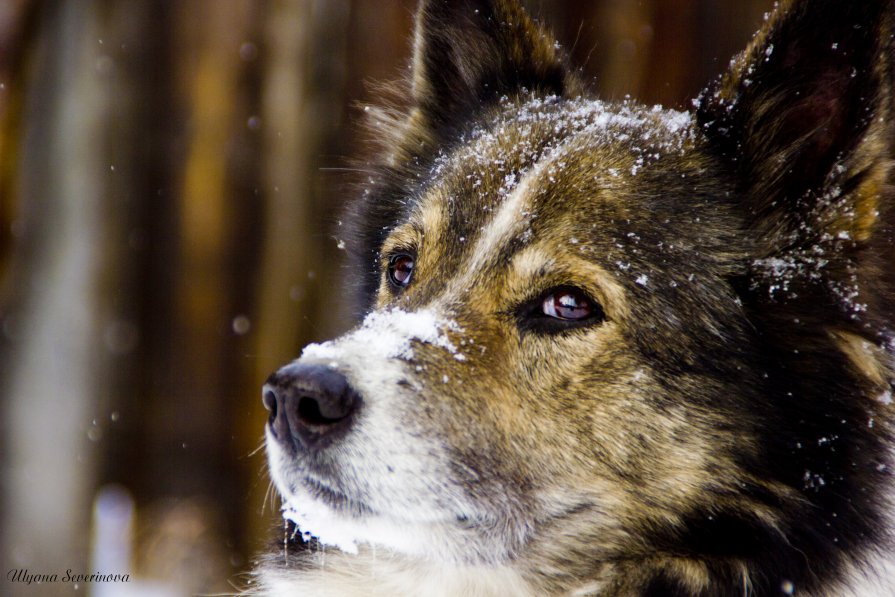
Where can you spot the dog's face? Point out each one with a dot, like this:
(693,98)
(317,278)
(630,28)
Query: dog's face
(514,373)
(571,307)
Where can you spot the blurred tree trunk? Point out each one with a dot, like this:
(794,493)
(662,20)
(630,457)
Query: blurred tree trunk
(200,234)
(17,33)
(55,367)
(189,311)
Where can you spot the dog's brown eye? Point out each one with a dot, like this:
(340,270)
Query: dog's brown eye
(558,310)
(567,304)
(400,270)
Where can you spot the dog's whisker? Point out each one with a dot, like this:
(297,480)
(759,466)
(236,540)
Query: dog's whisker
(260,447)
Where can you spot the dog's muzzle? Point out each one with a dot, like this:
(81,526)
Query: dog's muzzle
(310,406)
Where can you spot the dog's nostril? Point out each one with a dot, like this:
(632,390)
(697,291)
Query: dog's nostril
(309,412)
(269,398)
(273,400)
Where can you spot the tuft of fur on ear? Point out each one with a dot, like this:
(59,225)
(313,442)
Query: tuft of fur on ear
(469,53)
(805,120)
(805,114)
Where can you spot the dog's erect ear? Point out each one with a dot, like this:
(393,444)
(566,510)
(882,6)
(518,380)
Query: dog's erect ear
(806,117)
(469,53)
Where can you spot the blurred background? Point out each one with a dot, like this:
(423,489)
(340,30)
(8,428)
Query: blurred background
(171,178)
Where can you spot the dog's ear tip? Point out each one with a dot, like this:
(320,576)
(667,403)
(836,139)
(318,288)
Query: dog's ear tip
(469,53)
(807,111)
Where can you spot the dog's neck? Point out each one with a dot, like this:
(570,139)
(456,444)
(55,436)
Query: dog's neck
(331,573)
(372,574)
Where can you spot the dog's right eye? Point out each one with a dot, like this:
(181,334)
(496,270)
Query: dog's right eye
(400,270)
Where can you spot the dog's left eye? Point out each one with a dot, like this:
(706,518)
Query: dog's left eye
(567,304)
(560,309)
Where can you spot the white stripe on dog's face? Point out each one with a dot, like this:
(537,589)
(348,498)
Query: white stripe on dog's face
(506,224)
(515,212)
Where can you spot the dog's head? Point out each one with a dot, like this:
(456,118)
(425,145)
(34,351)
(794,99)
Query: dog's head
(602,328)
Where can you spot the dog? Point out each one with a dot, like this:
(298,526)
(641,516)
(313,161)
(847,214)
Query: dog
(609,349)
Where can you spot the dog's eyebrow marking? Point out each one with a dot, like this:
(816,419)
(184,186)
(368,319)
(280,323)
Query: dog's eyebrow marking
(426,224)
(403,237)
(531,262)
(431,218)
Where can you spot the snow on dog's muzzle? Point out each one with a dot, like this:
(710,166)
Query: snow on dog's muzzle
(316,401)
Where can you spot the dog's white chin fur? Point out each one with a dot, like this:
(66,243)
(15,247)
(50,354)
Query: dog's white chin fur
(348,533)
(426,538)
(336,529)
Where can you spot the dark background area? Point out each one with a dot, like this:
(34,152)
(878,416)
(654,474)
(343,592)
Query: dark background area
(171,179)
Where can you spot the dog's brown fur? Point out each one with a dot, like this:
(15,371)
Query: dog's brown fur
(720,426)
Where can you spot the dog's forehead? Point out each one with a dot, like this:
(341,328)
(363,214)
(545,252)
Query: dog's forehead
(544,157)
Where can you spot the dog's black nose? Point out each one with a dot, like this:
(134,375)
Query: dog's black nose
(310,405)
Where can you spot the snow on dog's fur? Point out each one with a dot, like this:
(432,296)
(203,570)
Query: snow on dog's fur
(610,349)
